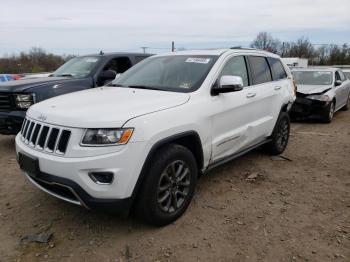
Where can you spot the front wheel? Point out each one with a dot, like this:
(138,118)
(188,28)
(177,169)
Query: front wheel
(280,135)
(328,115)
(169,185)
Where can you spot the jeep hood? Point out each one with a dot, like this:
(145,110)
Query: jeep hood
(27,84)
(104,107)
(313,89)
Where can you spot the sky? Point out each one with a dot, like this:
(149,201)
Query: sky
(88,26)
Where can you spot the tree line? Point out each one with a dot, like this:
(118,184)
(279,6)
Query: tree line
(36,60)
(329,54)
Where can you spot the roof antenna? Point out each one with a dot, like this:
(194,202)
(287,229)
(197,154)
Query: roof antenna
(101,52)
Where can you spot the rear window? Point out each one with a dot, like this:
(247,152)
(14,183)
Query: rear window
(260,69)
(277,69)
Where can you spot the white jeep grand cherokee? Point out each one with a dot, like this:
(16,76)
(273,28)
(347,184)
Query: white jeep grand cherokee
(142,141)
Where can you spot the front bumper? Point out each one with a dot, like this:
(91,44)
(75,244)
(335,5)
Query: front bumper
(304,107)
(11,122)
(71,192)
(68,177)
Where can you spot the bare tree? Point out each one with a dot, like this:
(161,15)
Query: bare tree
(302,48)
(265,41)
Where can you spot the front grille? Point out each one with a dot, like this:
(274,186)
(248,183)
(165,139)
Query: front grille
(47,138)
(5,102)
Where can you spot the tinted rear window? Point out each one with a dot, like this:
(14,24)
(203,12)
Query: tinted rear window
(260,69)
(277,69)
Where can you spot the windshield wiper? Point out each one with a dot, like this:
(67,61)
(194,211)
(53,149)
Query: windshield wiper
(136,86)
(65,74)
(144,87)
(115,85)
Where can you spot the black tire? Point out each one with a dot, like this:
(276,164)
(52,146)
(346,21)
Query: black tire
(347,105)
(327,117)
(280,135)
(160,185)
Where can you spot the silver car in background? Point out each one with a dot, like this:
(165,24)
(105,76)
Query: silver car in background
(347,73)
(320,93)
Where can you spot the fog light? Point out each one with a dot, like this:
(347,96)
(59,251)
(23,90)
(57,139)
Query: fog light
(102,178)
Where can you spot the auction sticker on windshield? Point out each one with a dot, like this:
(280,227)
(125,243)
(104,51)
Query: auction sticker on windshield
(91,60)
(198,60)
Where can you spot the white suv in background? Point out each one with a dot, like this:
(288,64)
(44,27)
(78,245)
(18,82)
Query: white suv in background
(143,140)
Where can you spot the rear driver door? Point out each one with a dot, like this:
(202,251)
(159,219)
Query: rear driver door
(264,95)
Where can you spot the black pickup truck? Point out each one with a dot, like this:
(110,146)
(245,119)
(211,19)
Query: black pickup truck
(77,74)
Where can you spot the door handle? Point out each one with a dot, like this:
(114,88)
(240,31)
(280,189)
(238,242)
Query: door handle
(278,87)
(250,95)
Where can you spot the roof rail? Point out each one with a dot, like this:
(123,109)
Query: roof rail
(245,48)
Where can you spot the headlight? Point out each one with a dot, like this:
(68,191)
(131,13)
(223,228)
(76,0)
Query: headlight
(106,136)
(24,101)
(324,98)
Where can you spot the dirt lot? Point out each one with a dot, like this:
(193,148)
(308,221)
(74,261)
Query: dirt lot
(296,210)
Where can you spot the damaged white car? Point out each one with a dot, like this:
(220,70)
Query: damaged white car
(320,93)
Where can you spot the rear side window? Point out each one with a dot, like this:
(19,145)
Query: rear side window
(277,69)
(260,69)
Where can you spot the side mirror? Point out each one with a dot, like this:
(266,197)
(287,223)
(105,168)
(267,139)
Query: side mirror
(107,75)
(337,82)
(227,84)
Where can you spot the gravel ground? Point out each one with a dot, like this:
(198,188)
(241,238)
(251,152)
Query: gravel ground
(255,208)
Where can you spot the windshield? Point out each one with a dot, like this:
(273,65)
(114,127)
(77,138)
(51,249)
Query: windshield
(77,67)
(347,74)
(313,77)
(177,73)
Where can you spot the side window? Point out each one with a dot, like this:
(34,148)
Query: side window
(337,76)
(119,65)
(260,69)
(236,66)
(342,76)
(139,58)
(277,69)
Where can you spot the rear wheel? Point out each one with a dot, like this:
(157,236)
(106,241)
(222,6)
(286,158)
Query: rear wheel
(169,185)
(329,113)
(280,135)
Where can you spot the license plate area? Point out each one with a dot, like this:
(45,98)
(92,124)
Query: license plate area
(29,164)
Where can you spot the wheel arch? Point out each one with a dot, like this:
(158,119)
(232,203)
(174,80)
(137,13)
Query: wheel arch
(189,139)
(286,107)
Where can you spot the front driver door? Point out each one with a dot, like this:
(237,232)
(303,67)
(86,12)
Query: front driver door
(339,91)
(231,114)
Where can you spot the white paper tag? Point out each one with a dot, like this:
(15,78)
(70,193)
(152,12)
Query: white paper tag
(91,60)
(198,60)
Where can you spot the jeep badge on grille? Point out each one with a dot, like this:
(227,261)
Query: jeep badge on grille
(42,117)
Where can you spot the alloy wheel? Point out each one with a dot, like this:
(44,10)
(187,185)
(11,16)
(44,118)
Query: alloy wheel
(173,186)
(331,111)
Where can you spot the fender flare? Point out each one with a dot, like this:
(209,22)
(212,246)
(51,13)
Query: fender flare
(154,149)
